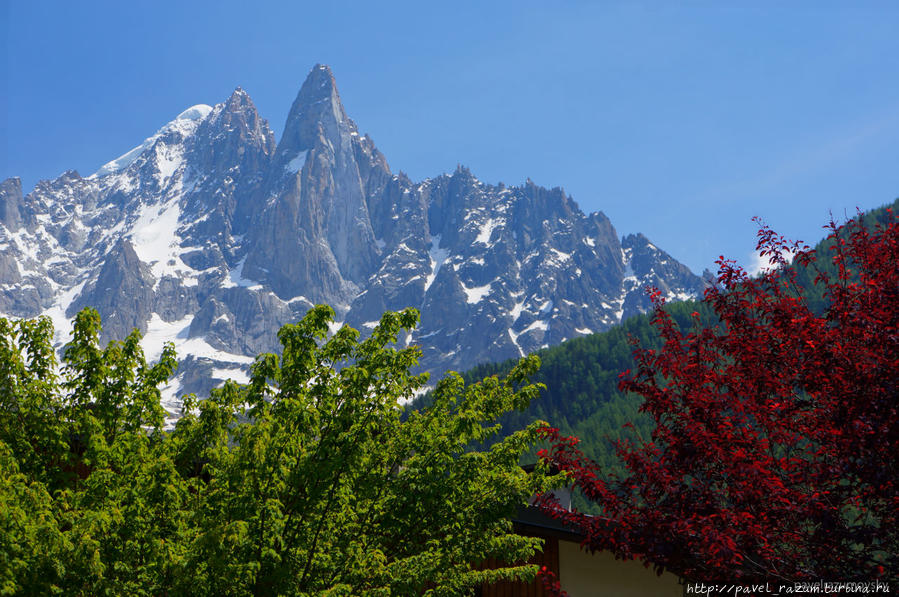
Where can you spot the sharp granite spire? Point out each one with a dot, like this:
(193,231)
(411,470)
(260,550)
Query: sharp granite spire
(318,198)
(316,112)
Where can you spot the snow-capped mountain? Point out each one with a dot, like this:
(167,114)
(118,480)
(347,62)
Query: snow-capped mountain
(210,235)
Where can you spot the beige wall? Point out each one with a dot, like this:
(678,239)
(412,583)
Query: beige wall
(600,574)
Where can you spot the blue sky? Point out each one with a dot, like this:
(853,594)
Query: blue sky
(679,120)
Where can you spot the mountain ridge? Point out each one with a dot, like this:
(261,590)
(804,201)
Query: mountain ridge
(215,234)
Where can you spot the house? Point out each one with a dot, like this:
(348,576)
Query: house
(581,573)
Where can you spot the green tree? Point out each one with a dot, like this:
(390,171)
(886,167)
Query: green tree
(305,481)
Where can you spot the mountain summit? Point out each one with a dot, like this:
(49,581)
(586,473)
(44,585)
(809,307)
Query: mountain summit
(315,202)
(317,113)
(210,235)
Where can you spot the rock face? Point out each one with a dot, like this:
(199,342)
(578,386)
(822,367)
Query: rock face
(210,235)
(11,204)
(122,292)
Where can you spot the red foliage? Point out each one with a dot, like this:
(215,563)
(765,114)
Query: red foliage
(551,584)
(776,449)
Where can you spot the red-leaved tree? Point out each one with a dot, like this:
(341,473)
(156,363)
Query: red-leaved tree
(775,454)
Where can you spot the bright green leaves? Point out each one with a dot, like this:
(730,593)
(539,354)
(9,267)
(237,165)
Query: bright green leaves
(29,407)
(305,481)
(361,499)
(90,502)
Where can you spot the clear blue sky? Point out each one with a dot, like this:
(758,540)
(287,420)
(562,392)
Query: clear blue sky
(679,120)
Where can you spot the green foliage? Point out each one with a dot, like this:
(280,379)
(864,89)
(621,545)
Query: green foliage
(305,481)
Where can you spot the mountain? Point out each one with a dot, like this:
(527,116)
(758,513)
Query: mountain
(211,235)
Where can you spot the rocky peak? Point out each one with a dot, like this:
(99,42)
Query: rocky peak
(317,196)
(240,108)
(649,266)
(70,176)
(122,292)
(239,97)
(233,137)
(316,114)
(232,150)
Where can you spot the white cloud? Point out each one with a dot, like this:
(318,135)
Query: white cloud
(758,264)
